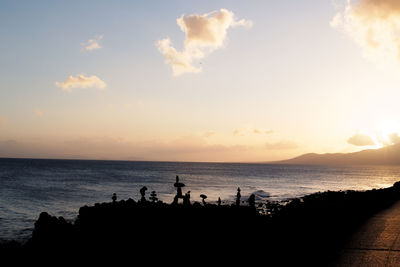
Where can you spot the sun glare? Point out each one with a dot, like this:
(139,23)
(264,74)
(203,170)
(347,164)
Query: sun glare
(386,130)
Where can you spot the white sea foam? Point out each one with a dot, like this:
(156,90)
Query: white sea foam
(61,187)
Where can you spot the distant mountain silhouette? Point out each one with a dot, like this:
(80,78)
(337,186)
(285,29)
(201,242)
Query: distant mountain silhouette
(388,155)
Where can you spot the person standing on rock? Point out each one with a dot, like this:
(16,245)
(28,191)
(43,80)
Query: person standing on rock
(238,196)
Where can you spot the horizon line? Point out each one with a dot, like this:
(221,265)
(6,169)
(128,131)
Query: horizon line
(133,160)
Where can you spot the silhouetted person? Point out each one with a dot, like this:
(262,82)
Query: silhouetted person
(178,186)
(143,192)
(153,196)
(203,198)
(238,196)
(252,201)
(186,198)
(114,198)
(219,201)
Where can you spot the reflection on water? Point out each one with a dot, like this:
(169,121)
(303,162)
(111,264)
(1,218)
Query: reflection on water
(60,187)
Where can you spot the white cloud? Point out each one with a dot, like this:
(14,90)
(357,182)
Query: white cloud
(374,25)
(92,44)
(390,139)
(203,34)
(82,81)
(181,62)
(361,140)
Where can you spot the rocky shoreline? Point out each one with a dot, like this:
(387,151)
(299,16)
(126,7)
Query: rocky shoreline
(307,230)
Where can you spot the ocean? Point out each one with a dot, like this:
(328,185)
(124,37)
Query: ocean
(60,187)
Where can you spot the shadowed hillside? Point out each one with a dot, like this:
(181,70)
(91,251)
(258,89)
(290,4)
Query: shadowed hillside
(389,155)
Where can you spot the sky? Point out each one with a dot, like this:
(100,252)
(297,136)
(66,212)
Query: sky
(213,81)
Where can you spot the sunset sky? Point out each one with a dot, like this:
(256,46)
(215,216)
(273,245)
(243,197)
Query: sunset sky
(187,80)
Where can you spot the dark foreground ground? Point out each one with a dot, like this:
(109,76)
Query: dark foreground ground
(376,242)
(308,231)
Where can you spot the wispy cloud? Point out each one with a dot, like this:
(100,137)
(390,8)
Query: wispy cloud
(281,145)
(81,81)
(203,34)
(185,148)
(249,130)
(209,134)
(389,139)
(237,132)
(92,44)
(257,131)
(374,25)
(361,140)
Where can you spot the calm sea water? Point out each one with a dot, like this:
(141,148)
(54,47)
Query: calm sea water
(61,187)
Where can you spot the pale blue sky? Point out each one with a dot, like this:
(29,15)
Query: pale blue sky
(291,73)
